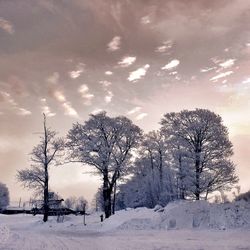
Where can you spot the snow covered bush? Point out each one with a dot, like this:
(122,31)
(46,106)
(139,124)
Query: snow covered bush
(4,196)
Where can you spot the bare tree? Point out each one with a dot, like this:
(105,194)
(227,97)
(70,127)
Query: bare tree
(204,140)
(106,144)
(48,152)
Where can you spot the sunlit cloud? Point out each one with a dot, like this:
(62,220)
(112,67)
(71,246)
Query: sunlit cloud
(69,110)
(105,84)
(207,69)
(146,19)
(228,63)
(13,104)
(164,47)
(127,61)
(114,44)
(78,71)
(134,76)
(141,116)
(96,111)
(173,64)
(221,75)
(109,96)
(6,26)
(134,110)
(59,96)
(246,81)
(24,112)
(85,94)
(108,73)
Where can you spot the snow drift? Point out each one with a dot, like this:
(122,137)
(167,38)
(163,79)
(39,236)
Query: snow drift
(183,215)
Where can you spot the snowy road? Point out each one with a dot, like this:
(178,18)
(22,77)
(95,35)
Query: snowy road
(26,233)
(129,240)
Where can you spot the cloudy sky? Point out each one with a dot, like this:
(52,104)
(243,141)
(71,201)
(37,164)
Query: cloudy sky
(139,58)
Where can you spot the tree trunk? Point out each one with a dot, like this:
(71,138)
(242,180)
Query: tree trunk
(46,196)
(197,176)
(107,196)
(114,198)
(161,171)
(181,185)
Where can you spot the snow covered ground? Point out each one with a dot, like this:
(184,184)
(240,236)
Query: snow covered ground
(188,225)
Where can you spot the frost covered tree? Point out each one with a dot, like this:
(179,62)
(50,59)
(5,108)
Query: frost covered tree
(4,196)
(204,144)
(70,202)
(47,153)
(152,182)
(81,204)
(106,144)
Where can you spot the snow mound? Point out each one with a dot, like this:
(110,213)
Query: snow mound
(201,214)
(137,219)
(182,215)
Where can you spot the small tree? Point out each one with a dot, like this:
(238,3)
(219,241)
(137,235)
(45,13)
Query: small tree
(4,196)
(70,202)
(45,154)
(106,144)
(81,204)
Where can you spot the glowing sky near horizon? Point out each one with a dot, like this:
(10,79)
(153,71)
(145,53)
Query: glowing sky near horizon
(135,58)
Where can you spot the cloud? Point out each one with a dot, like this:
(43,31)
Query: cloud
(46,109)
(85,94)
(173,64)
(67,106)
(6,26)
(207,69)
(134,76)
(24,112)
(78,71)
(134,110)
(109,96)
(163,48)
(221,75)
(59,96)
(108,73)
(69,110)
(114,44)
(105,84)
(96,111)
(146,19)
(228,63)
(13,104)
(141,116)
(53,79)
(127,61)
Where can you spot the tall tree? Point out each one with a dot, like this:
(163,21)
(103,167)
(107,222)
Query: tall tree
(106,144)
(203,138)
(48,152)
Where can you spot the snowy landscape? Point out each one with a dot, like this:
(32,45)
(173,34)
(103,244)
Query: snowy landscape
(180,225)
(124,125)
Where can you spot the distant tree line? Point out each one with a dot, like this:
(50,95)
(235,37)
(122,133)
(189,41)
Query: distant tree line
(187,158)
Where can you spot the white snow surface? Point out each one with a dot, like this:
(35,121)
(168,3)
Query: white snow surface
(180,225)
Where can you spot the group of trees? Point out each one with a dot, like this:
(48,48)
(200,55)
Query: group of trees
(77,204)
(189,157)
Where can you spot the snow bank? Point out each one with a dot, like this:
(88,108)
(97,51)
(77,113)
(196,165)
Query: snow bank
(182,215)
(201,214)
